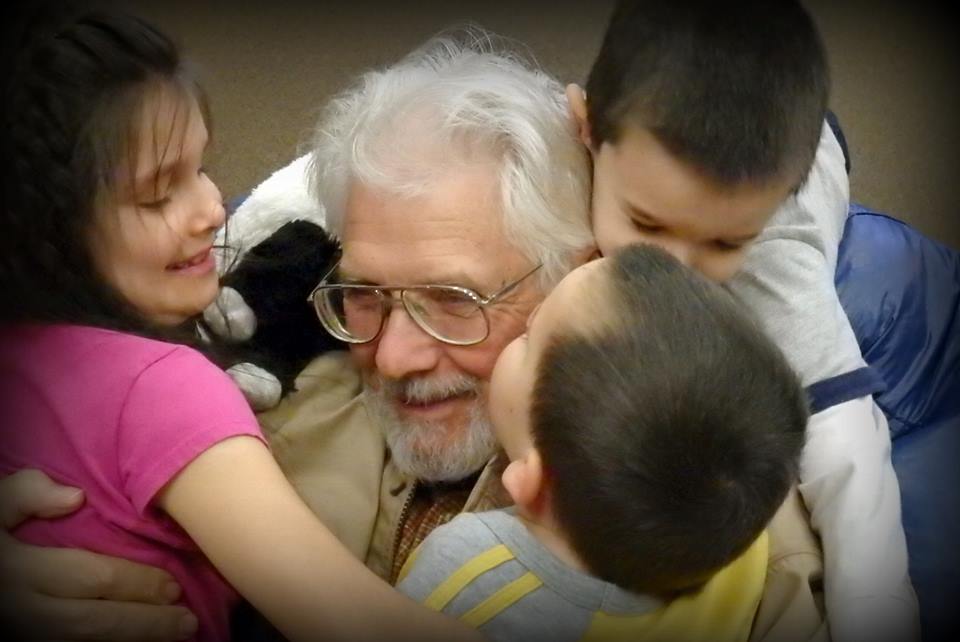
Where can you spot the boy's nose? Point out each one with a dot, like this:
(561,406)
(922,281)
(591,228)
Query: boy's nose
(680,250)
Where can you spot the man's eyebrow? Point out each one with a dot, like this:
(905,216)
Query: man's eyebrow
(340,278)
(339,275)
(461,281)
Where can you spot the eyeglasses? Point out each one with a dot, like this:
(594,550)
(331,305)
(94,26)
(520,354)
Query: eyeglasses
(449,313)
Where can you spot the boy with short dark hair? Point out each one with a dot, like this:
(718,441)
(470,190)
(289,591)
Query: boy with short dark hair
(706,124)
(714,97)
(652,432)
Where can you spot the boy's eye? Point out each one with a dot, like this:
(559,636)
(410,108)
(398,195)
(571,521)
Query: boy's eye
(725,246)
(646,227)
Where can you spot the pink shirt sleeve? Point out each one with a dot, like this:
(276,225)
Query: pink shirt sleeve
(178,407)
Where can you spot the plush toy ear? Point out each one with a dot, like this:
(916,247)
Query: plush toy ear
(523,479)
(274,279)
(262,322)
(273,252)
(283,198)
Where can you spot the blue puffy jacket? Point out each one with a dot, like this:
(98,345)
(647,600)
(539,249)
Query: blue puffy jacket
(901,292)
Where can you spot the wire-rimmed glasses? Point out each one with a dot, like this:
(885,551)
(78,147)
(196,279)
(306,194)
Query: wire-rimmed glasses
(453,314)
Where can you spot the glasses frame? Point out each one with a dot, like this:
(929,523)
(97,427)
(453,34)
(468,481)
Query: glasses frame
(388,301)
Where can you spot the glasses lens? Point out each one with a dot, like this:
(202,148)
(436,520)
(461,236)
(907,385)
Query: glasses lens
(350,314)
(447,313)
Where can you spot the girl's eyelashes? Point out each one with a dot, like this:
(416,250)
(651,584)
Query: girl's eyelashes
(162,202)
(155,205)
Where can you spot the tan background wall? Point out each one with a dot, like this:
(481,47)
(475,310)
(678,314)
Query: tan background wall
(269,65)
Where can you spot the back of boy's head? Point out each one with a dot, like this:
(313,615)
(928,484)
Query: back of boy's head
(670,431)
(737,89)
(77,82)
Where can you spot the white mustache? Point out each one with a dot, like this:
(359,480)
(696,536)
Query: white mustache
(428,390)
(420,448)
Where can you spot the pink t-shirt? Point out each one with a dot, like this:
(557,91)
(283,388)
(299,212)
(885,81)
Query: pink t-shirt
(118,416)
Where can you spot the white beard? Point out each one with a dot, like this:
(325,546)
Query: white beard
(414,445)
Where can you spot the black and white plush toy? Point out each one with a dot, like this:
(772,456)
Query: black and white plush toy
(275,251)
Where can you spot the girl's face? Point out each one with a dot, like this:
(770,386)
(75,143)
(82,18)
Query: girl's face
(152,240)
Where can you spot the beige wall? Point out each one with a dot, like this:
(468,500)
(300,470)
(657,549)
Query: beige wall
(269,65)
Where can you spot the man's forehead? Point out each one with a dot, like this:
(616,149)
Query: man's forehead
(465,199)
(452,233)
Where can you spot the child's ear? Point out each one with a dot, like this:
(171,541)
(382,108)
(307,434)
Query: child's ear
(523,480)
(577,99)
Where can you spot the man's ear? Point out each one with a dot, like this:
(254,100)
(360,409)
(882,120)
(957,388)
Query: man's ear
(523,480)
(577,99)
(587,254)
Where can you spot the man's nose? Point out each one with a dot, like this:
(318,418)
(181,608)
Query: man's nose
(404,348)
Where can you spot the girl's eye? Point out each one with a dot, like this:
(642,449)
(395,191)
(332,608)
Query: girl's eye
(155,205)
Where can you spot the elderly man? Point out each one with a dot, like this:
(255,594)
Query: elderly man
(452,168)
(458,187)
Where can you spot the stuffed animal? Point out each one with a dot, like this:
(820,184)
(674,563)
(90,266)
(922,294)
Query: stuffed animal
(273,252)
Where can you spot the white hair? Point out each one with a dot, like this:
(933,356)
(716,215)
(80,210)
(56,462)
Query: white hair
(460,99)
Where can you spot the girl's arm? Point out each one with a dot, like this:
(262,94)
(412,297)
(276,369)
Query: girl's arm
(235,503)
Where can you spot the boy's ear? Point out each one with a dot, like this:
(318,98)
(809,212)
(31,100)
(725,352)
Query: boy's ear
(577,99)
(523,480)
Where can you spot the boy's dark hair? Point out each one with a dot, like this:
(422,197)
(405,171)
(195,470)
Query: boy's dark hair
(671,432)
(736,88)
(77,82)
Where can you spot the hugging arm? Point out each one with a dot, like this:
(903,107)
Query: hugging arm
(847,480)
(65,594)
(271,547)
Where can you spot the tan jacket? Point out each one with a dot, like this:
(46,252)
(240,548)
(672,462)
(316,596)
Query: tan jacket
(338,462)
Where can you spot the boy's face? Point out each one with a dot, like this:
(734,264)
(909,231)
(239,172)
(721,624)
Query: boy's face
(642,193)
(571,305)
